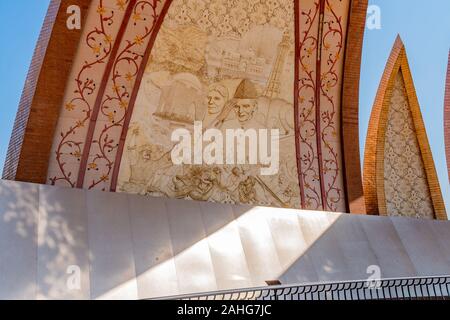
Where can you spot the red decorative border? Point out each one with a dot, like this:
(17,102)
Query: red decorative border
(296,106)
(318,92)
(307,116)
(332,27)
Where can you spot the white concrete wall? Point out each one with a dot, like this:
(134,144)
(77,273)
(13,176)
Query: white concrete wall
(133,247)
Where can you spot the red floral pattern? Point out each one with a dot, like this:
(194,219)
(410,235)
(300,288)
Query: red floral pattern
(333,42)
(114,106)
(307,100)
(101,28)
(321,45)
(321,39)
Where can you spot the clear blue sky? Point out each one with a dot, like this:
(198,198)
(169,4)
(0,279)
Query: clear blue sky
(20,24)
(423,25)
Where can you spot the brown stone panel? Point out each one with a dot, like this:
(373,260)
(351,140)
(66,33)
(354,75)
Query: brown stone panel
(350,107)
(447,117)
(375,142)
(32,136)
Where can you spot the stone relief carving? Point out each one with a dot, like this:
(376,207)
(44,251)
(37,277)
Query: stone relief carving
(211,63)
(406,185)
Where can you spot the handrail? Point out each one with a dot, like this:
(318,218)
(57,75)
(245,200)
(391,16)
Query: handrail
(408,288)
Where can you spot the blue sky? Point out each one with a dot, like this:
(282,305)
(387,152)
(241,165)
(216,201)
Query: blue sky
(424,26)
(20,24)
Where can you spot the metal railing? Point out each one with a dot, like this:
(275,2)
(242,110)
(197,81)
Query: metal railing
(388,289)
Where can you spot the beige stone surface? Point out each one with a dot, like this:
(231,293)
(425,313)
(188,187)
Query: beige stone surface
(136,247)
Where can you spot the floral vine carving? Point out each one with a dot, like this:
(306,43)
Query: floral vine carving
(333,46)
(309,45)
(319,63)
(114,107)
(100,42)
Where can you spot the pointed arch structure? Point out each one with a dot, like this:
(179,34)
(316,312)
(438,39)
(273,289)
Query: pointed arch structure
(399,173)
(87,121)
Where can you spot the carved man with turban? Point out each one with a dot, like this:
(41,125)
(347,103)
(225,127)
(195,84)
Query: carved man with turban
(241,111)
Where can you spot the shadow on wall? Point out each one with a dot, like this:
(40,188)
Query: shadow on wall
(134,247)
(40,240)
(18,240)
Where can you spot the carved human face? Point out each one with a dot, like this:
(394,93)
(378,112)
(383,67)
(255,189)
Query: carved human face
(245,109)
(147,154)
(215,102)
(150,152)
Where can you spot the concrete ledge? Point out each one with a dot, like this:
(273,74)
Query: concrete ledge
(133,247)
